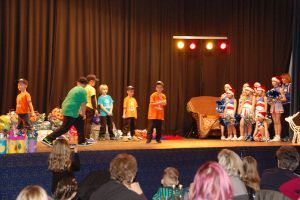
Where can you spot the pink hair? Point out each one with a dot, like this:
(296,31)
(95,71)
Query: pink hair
(211,182)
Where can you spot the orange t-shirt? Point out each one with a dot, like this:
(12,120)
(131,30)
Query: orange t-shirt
(130,106)
(156,111)
(23,100)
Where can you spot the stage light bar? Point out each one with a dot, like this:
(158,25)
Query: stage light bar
(185,37)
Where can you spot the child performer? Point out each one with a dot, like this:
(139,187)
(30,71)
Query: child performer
(247,105)
(287,88)
(24,105)
(276,108)
(227,86)
(158,101)
(229,113)
(106,109)
(242,97)
(129,112)
(261,104)
(261,132)
(255,86)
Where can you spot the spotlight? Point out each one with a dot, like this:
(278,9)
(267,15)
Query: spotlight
(223,46)
(192,46)
(209,46)
(180,45)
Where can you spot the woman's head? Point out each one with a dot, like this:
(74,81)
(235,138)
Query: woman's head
(231,162)
(211,182)
(286,78)
(123,168)
(251,177)
(33,192)
(60,157)
(287,157)
(170,177)
(66,189)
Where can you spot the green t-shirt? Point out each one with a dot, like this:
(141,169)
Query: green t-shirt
(74,99)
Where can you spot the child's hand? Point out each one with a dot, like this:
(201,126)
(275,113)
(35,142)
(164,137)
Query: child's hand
(123,116)
(33,114)
(109,113)
(96,113)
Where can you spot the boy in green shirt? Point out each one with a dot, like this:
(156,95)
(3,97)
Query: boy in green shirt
(73,110)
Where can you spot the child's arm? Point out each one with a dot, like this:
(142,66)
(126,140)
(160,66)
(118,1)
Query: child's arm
(253,104)
(282,96)
(31,108)
(266,105)
(234,106)
(82,110)
(111,109)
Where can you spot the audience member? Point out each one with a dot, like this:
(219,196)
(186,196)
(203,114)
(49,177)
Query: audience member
(251,177)
(32,192)
(291,188)
(66,189)
(233,165)
(123,169)
(60,162)
(211,182)
(287,162)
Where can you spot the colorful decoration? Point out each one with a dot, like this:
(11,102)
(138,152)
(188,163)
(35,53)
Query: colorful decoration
(272,96)
(220,106)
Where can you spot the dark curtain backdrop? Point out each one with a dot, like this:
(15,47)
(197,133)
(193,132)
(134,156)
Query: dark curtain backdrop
(295,106)
(53,42)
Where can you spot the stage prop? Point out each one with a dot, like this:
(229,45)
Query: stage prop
(203,110)
(294,122)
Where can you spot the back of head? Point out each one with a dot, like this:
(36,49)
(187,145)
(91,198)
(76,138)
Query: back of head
(123,168)
(170,177)
(287,157)
(251,177)
(66,189)
(211,182)
(231,162)
(33,192)
(60,156)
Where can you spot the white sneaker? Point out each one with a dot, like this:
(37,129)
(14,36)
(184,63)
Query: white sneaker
(234,138)
(276,139)
(240,138)
(223,137)
(90,140)
(229,138)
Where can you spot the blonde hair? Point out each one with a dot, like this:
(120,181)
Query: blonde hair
(251,177)
(171,176)
(102,87)
(123,168)
(32,192)
(231,162)
(60,157)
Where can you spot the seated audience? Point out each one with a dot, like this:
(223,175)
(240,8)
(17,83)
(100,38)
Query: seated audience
(66,189)
(287,162)
(169,182)
(251,177)
(123,169)
(211,182)
(233,165)
(60,162)
(33,192)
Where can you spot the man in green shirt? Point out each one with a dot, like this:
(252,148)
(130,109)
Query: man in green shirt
(73,110)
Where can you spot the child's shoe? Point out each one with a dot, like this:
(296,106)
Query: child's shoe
(223,137)
(234,138)
(240,138)
(276,139)
(229,138)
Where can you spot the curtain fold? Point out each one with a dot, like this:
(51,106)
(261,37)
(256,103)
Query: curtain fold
(53,42)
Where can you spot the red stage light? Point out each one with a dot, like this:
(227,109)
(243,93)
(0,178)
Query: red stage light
(192,46)
(223,46)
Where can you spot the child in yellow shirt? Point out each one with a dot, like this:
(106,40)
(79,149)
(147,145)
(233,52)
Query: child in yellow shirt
(129,112)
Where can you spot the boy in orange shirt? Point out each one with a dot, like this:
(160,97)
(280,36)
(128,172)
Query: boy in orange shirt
(158,101)
(129,112)
(24,105)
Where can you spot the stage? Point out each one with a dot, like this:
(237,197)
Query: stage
(19,170)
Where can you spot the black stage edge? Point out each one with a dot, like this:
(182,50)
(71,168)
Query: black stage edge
(20,170)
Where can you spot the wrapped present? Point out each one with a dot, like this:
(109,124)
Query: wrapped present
(141,133)
(96,119)
(73,137)
(31,141)
(3,143)
(95,129)
(16,142)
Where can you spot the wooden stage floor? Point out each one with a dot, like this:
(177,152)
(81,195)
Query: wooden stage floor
(169,144)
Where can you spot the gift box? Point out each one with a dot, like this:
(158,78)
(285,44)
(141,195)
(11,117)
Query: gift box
(31,141)
(16,142)
(95,129)
(73,137)
(3,144)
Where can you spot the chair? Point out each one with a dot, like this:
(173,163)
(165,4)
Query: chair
(203,110)
(270,194)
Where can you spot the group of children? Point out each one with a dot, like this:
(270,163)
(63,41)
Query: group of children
(81,105)
(252,108)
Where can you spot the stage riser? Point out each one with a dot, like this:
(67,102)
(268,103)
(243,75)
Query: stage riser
(17,171)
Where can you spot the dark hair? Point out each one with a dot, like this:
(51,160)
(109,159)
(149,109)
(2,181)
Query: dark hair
(82,80)
(24,81)
(288,157)
(66,188)
(160,83)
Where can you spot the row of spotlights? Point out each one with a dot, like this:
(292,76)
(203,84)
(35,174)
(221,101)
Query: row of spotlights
(208,45)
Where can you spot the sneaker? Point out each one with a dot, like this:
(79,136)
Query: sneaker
(158,141)
(148,141)
(90,140)
(47,142)
(234,138)
(240,138)
(223,137)
(246,138)
(249,138)
(85,144)
(276,139)
(229,138)
(113,138)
